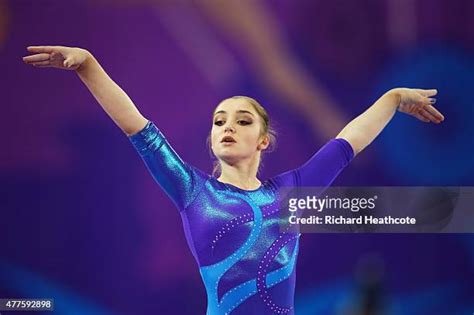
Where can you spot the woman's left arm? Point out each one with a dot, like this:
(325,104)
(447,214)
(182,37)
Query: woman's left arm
(361,131)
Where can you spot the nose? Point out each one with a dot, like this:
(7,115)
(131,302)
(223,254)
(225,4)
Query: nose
(229,128)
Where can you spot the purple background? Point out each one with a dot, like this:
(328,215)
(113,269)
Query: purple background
(84,223)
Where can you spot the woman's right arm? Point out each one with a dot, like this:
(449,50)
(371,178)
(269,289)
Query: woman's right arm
(178,179)
(115,102)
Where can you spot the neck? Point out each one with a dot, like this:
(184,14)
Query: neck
(242,175)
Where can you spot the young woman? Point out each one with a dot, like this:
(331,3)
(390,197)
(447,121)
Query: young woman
(231,222)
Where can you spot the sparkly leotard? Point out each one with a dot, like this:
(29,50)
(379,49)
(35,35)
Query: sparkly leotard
(246,262)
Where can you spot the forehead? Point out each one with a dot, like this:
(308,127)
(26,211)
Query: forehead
(235,105)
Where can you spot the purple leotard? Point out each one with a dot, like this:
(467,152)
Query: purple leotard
(246,263)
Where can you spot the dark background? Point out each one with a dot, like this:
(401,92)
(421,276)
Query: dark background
(84,223)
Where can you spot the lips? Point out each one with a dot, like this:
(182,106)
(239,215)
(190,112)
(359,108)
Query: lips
(228,139)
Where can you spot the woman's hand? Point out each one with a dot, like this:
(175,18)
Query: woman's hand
(115,102)
(362,130)
(67,58)
(419,103)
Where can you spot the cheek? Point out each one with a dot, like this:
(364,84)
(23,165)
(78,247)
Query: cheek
(254,136)
(251,141)
(213,136)
(214,139)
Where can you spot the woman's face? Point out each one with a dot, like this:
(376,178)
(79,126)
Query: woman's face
(236,132)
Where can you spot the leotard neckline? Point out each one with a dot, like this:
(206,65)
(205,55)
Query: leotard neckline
(238,188)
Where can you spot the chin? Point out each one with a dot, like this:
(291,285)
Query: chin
(228,158)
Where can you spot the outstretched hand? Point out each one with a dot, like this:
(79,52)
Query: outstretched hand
(67,58)
(419,103)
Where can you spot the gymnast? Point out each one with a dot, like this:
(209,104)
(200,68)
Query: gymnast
(230,218)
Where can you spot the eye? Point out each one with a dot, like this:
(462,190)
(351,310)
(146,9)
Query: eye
(219,122)
(243,122)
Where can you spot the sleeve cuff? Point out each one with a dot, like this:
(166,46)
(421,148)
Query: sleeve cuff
(150,134)
(347,149)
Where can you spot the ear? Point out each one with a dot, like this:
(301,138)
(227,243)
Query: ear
(264,143)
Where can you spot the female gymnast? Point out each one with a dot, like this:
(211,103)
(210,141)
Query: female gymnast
(231,221)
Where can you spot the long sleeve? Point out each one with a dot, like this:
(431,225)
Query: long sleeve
(322,168)
(179,180)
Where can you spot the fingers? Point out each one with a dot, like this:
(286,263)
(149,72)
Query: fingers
(427,101)
(419,103)
(41,63)
(427,93)
(427,115)
(44,64)
(421,117)
(41,49)
(434,112)
(36,58)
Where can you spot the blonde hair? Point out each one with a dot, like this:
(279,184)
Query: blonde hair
(267,129)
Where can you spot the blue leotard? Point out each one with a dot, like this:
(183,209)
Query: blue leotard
(246,262)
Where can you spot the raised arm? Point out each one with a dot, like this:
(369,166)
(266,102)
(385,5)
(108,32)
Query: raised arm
(361,131)
(178,179)
(110,96)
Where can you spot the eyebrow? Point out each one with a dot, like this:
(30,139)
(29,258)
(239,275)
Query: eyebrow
(241,111)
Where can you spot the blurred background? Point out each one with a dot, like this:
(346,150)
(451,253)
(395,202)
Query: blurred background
(84,223)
